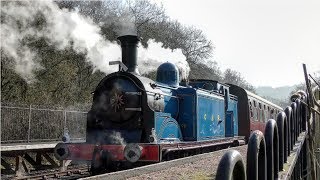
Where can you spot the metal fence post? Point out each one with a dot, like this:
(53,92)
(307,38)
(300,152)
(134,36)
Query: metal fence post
(231,166)
(29,123)
(65,120)
(256,157)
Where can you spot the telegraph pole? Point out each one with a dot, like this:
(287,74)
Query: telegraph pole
(310,134)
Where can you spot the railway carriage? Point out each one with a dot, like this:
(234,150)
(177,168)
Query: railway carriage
(254,111)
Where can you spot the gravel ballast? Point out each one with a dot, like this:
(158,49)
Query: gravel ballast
(201,169)
(201,166)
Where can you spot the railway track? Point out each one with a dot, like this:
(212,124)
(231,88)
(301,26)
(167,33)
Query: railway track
(82,171)
(72,173)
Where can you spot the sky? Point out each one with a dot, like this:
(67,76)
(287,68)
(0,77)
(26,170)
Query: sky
(266,41)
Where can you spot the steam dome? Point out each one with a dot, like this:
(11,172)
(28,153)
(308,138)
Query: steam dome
(168,73)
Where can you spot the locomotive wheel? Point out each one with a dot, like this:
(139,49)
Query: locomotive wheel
(126,165)
(101,162)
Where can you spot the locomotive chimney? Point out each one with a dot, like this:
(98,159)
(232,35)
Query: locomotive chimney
(129,44)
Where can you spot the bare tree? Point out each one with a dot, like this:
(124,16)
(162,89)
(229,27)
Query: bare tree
(150,22)
(234,77)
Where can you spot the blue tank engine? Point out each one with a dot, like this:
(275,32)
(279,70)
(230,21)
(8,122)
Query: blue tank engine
(134,118)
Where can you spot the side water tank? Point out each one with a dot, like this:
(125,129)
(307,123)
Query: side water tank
(168,73)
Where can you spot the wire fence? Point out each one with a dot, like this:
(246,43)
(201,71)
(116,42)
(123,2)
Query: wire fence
(28,123)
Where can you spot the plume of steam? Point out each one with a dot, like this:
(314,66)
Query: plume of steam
(62,27)
(115,138)
(126,24)
(149,59)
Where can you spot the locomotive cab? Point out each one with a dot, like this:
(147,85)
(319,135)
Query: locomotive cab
(215,110)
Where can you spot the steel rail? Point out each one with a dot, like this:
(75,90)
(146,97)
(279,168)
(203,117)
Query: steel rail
(73,173)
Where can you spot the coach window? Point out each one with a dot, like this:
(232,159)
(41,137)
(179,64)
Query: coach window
(250,108)
(254,110)
(260,111)
(265,113)
(256,114)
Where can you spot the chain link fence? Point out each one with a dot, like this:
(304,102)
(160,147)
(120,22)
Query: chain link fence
(28,123)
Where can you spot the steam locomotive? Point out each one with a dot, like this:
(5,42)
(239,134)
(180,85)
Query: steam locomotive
(134,119)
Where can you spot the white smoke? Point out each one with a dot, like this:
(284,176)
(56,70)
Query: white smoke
(62,27)
(149,59)
(126,24)
(116,138)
